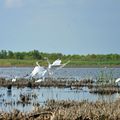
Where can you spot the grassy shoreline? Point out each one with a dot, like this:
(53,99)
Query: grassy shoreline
(73,63)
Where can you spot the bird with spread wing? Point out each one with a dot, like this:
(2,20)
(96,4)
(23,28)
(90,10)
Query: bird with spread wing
(41,71)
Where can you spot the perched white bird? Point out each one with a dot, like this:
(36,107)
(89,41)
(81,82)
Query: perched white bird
(14,79)
(40,80)
(117,80)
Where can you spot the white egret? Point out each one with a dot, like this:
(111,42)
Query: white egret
(38,70)
(40,80)
(14,79)
(117,80)
(63,65)
(35,70)
(55,65)
(41,71)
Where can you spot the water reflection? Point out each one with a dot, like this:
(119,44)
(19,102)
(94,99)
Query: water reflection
(41,95)
(9,92)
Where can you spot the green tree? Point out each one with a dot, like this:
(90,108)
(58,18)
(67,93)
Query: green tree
(3,54)
(36,54)
(18,55)
(10,54)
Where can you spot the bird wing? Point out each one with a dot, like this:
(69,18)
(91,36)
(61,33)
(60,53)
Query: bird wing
(35,71)
(63,65)
(117,80)
(56,66)
(56,62)
(42,71)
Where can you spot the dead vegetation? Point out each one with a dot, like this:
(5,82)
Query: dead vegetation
(68,110)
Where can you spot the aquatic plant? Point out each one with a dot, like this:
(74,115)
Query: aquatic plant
(106,76)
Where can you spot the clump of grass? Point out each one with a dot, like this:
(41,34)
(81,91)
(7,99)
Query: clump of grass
(105,90)
(106,77)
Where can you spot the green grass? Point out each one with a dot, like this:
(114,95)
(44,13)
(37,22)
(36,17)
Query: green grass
(95,63)
(73,63)
(13,62)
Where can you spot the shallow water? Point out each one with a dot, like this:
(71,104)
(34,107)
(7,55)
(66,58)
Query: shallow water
(67,73)
(44,94)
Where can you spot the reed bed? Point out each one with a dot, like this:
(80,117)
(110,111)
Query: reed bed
(48,82)
(62,83)
(105,90)
(68,110)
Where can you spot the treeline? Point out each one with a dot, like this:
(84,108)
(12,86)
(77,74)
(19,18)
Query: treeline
(36,55)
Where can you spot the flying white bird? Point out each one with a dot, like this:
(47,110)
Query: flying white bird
(55,65)
(63,65)
(117,80)
(41,71)
(38,70)
(35,70)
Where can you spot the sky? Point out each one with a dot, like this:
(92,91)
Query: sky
(60,26)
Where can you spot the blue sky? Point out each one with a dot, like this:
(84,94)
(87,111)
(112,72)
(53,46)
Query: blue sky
(64,26)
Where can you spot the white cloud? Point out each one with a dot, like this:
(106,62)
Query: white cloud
(13,3)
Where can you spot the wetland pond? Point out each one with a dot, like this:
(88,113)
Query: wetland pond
(9,99)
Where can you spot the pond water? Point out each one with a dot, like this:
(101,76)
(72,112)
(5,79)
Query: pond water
(8,99)
(68,73)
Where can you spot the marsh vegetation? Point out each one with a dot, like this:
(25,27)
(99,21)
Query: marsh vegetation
(61,98)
